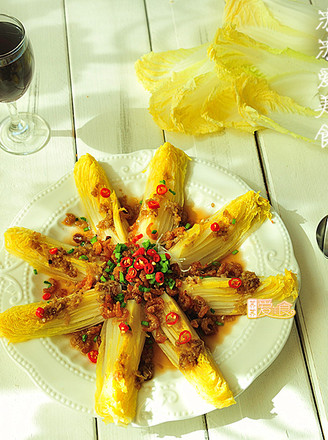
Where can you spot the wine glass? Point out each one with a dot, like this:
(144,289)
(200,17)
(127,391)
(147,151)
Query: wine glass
(20,133)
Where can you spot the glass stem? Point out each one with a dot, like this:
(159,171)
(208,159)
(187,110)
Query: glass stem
(17,126)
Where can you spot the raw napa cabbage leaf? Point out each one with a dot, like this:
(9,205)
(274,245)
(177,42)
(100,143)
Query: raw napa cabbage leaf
(261,106)
(260,71)
(278,23)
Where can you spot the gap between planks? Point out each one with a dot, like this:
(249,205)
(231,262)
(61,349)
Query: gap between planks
(299,320)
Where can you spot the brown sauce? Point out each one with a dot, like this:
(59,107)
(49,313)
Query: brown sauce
(214,340)
(193,213)
(161,361)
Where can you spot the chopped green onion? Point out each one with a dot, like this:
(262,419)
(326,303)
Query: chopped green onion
(146,244)
(234,252)
(120,247)
(70,251)
(47,282)
(150,276)
(84,338)
(140,203)
(122,279)
(171,283)
(103,279)
(145,323)
(165,266)
(94,240)
(111,265)
(123,304)
(83,257)
(95,338)
(212,310)
(233,221)
(154,231)
(35,271)
(173,192)
(86,229)
(84,219)
(187,225)
(112,277)
(219,323)
(82,243)
(144,289)
(162,181)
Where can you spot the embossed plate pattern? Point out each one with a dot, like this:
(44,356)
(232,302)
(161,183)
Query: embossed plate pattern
(68,377)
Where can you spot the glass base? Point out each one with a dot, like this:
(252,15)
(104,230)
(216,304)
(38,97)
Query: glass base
(35,135)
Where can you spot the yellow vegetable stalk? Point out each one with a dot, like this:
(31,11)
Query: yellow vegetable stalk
(223,232)
(164,193)
(226,300)
(57,317)
(188,353)
(117,365)
(100,200)
(46,254)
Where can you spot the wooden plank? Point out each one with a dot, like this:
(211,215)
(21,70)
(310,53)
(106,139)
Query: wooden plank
(26,411)
(296,174)
(110,105)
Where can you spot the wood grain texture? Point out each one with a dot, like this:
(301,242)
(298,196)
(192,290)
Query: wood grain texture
(110,105)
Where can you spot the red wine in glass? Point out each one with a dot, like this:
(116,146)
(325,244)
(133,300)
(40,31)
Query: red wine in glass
(16,71)
(22,133)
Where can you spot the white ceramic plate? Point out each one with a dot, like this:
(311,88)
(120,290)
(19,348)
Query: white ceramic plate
(69,377)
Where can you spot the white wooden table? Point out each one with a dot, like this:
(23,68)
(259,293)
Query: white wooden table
(88,92)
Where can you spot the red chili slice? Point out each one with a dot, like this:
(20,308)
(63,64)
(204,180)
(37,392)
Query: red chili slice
(126,262)
(39,312)
(235,283)
(168,256)
(46,296)
(161,189)
(53,251)
(152,204)
(93,356)
(124,327)
(156,258)
(151,252)
(171,318)
(105,192)
(149,268)
(140,251)
(159,277)
(140,263)
(184,337)
(136,238)
(132,273)
(215,227)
